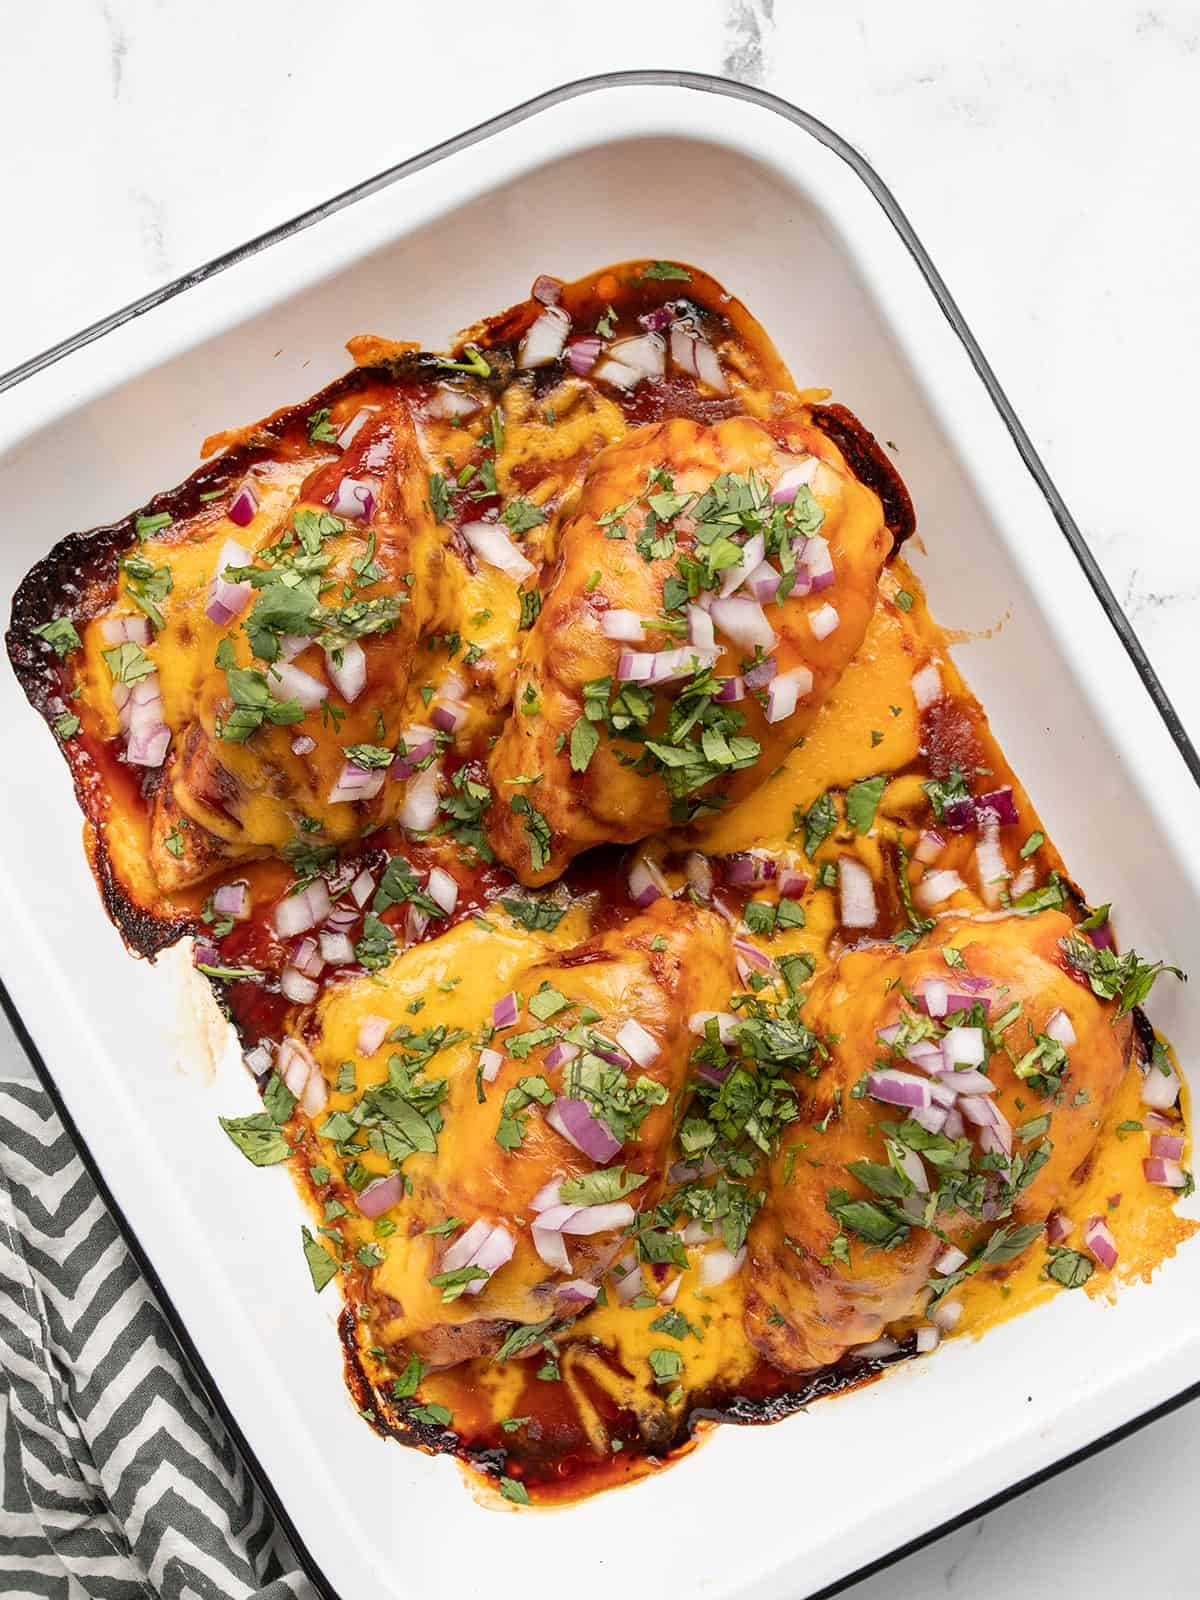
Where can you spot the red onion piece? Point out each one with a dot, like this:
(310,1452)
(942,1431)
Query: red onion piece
(786,691)
(929,847)
(559,1054)
(1059,1028)
(462,1252)
(761,673)
(1058,1227)
(347,668)
(306,958)
(934,994)
(579,1291)
(672,666)
(380,1196)
(928,1340)
(1160,1089)
(647,882)
(700,628)
(296,913)
(1167,1173)
(354,500)
(579,1126)
(443,889)
(493,1253)
(950,1259)
(372,1031)
(505,1011)
(750,867)
(415,924)
(299,989)
(491,543)
(287,682)
(120,630)
(817,565)
(302,745)
(582,355)
(753,552)
(628,361)
(356,783)
(790,481)
(1099,1242)
(233,900)
(763,584)
(1169,1146)
(362,888)
(242,509)
(959,815)
(946,1315)
(731,691)
(1001,804)
(419,809)
(726,1024)
(639,1045)
(718,1265)
(895,1088)
(337,949)
(856,891)
(823,621)
(963,1047)
(490,1062)
(551,1247)
(588,1220)
(543,342)
(546,290)
(937,886)
(699,875)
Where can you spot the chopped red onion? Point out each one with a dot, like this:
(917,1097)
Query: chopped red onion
(1058,1227)
(287,682)
(462,1252)
(937,886)
(791,479)
(628,361)
(896,1088)
(700,628)
(718,1265)
(816,565)
(857,894)
(120,630)
(362,888)
(579,1291)
(785,692)
(949,1260)
(1099,1242)
(302,745)
(959,815)
(877,1350)
(999,804)
(544,341)
(443,889)
(415,745)
(946,1315)
(1160,1089)
(753,552)
(647,882)
(928,1340)
(559,1054)
(227,600)
(731,691)
(495,1251)
(639,1045)
(297,987)
(1167,1145)
(963,1047)
(296,913)
(233,900)
(551,1247)
(1058,1027)
(505,1011)
(546,290)
(751,958)
(241,511)
(306,958)
(372,1031)
(347,667)
(672,666)
(490,1062)
(356,783)
(751,867)
(954,1126)
(629,1279)
(582,354)
(823,621)
(548,1196)
(337,949)
(380,1196)
(934,993)
(419,809)
(929,847)
(588,1220)
(579,1126)
(699,875)
(725,1020)
(491,543)
(448,716)
(760,674)
(763,584)
(927,1055)
(1168,1173)
(355,500)
(744,622)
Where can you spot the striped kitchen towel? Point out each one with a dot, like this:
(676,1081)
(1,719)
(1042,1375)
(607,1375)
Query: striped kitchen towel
(117,1479)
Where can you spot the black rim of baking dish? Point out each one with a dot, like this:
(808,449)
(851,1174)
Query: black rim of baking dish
(705,84)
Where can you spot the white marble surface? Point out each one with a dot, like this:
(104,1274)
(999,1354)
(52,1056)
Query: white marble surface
(1044,151)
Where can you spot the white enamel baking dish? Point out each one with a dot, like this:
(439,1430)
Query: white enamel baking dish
(790,219)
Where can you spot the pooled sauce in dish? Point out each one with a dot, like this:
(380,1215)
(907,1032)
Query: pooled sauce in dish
(664,992)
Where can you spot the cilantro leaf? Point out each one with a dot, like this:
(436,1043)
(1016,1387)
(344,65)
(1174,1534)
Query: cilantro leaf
(321,1265)
(258,1138)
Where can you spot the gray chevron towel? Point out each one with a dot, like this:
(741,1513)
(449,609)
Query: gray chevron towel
(117,1480)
